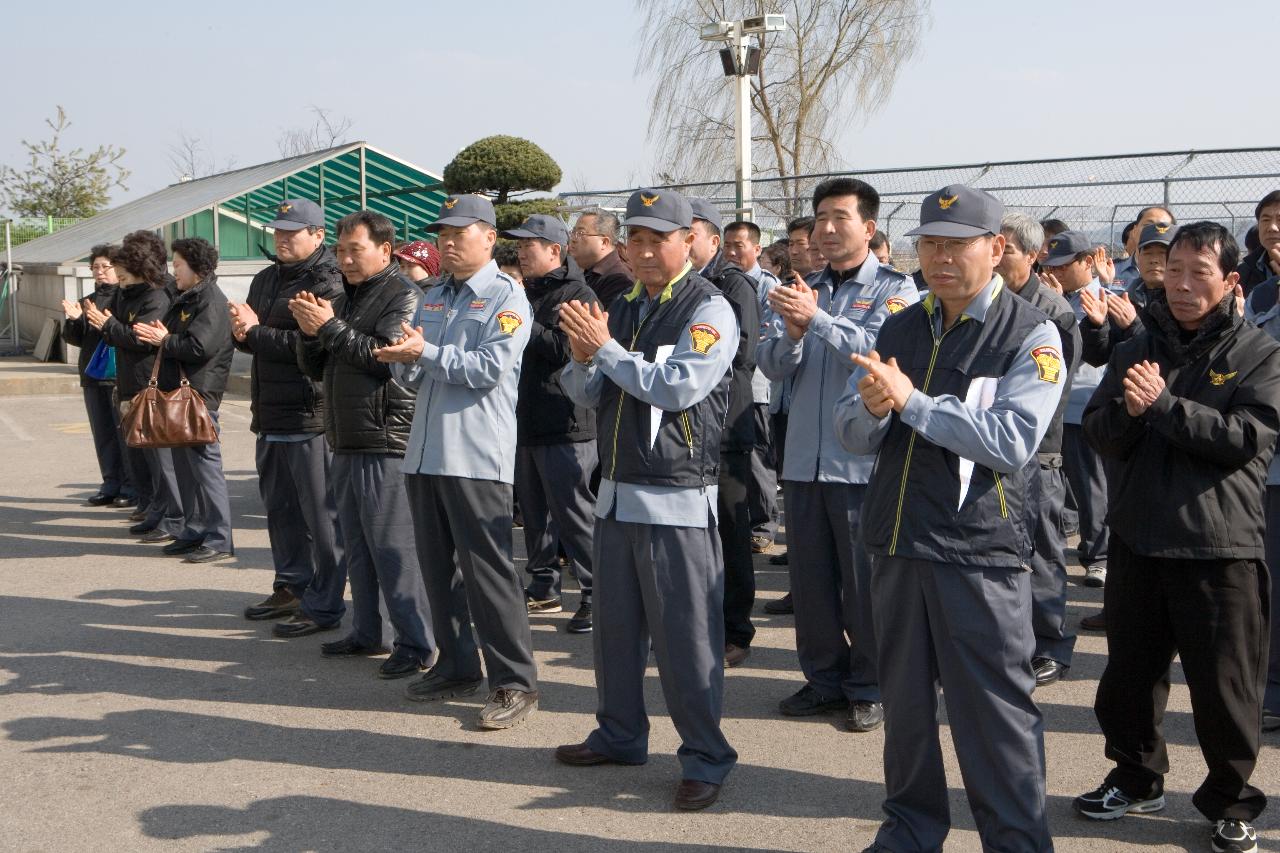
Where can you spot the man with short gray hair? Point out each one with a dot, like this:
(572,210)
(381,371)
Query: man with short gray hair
(1055,643)
(593,245)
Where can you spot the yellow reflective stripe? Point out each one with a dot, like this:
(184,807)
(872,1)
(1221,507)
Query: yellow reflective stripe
(1004,509)
(688,430)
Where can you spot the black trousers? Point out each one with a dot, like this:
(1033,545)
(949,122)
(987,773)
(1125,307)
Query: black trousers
(762,494)
(1214,614)
(108,443)
(1088,481)
(735,541)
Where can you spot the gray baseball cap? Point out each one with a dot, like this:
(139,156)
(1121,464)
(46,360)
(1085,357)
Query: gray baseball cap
(959,211)
(706,211)
(461,210)
(658,210)
(1157,232)
(540,226)
(1064,247)
(294,214)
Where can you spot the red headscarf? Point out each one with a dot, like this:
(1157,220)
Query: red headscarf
(423,254)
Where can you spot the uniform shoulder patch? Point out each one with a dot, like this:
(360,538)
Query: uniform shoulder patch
(895,304)
(509,321)
(703,337)
(1049,362)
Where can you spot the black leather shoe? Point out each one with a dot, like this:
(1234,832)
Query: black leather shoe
(137,516)
(1096,622)
(141,527)
(124,503)
(694,794)
(399,666)
(581,621)
(434,686)
(779,559)
(298,626)
(581,755)
(507,708)
(807,702)
(865,717)
(155,535)
(780,606)
(347,647)
(282,602)
(1048,671)
(100,500)
(178,547)
(205,554)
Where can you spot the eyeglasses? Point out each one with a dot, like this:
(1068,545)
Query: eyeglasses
(947,248)
(101,267)
(577,232)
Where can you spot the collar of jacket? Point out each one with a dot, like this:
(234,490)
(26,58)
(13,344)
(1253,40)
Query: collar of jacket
(190,294)
(610,264)
(978,306)
(290,271)
(1220,321)
(717,265)
(486,281)
(392,270)
(666,291)
(864,273)
(561,275)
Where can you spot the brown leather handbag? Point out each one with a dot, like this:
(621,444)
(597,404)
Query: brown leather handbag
(176,418)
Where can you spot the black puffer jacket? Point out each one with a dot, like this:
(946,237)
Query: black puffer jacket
(739,427)
(367,411)
(137,303)
(79,333)
(199,342)
(284,400)
(544,413)
(1191,470)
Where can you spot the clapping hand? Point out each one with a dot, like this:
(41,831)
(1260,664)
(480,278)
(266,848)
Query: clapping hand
(405,349)
(1143,384)
(152,333)
(310,311)
(72,310)
(587,328)
(885,388)
(1104,266)
(95,317)
(1121,310)
(243,318)
(1094,307)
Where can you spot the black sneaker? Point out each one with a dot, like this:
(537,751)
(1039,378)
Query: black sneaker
(100,500)
(399,666)
(281,603)
(204,554)
(581,621)
(806,702)
(779,559)
(433,687)
(506,708)
(1234,836)
(780,606)
(1107,802)
(865,716)
(178,547)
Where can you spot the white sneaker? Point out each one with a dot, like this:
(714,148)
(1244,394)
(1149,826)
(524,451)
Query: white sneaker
(1095,575)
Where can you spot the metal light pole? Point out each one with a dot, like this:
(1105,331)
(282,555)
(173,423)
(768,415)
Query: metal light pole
(741,60)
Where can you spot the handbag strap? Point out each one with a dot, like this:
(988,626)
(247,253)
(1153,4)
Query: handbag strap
(154,381)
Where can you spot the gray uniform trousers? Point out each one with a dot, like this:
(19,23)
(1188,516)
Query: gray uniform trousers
(164,501)
(1271,701)
(206,506)
(1054,640)
(968,627)
(553,485)
(463,530)
(302,524)
(831,589)
(763,493)
(666,584)
(108,443)
(382,564)
(1088,481)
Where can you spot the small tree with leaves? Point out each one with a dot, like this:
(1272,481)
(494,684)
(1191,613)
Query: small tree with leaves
(502,168)
(71,184)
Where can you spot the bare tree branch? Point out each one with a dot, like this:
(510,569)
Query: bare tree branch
(326,131)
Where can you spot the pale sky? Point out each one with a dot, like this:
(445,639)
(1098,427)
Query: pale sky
(421,80)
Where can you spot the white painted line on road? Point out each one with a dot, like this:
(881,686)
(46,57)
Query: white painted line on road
(13,427)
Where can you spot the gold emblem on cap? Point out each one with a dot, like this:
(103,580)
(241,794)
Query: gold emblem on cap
(945,202)
(1160,229)
(285,208)
(648,200)
(1053,244)
(449,203)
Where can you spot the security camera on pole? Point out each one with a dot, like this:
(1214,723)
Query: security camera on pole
(740,61)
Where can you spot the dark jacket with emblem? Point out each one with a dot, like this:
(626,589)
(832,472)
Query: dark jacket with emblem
(367,411)
(1060,312)
(1189,473)
(610,277)
(199,344)
(912,508)
(686,450)
(544,413)
(740,290)
(80,334)
(137,303)
(284,400)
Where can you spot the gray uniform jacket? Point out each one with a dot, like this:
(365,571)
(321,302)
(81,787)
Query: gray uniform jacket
(847,322)
(761,390)
(467,378)
(682,380)
(1087,377)
(1001,433)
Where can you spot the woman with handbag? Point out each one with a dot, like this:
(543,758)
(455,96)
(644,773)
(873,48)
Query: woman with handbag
(98,382)
(139,263)
(195,346)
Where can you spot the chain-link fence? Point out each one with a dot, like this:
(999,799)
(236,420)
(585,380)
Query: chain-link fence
(1098,195)
(30,228)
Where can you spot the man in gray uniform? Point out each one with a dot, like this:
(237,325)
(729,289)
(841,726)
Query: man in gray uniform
(657,369)
(462,353)
(815,331)
(1055,643)
(956,399)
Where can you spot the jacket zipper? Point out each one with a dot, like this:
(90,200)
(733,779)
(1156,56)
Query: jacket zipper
(617,421)
(911,443)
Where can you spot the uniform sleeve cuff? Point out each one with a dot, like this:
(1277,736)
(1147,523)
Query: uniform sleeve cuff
(916,412)
(430,353)
(609,354)
(820,323)
(1161,407)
